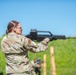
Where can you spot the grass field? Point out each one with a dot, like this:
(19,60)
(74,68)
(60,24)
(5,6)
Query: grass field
(65,57)
(2,61)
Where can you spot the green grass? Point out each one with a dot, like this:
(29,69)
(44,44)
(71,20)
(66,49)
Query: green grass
(2,61)
(65,57)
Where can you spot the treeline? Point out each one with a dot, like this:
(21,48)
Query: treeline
(0,42)
(71,37)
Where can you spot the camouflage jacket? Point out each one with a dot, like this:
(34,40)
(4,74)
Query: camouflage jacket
(16,47)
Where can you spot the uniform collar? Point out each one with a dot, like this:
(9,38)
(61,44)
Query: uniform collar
(12,33)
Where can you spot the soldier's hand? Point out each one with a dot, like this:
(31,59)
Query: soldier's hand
(46,40)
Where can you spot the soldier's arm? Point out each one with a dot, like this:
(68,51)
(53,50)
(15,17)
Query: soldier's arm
(33,47)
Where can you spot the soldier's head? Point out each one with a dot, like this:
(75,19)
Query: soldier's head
(14,26)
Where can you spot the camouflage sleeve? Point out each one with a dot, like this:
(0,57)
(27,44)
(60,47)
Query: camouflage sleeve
(17,43)
(33,47)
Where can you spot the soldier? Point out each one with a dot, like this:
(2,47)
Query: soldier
(16,46)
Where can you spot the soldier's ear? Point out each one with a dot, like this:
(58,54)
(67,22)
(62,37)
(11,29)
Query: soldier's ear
(14,29)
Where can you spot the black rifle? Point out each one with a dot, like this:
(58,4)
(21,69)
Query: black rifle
(40,35)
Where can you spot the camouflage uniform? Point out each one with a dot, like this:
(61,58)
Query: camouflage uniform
(15,48)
